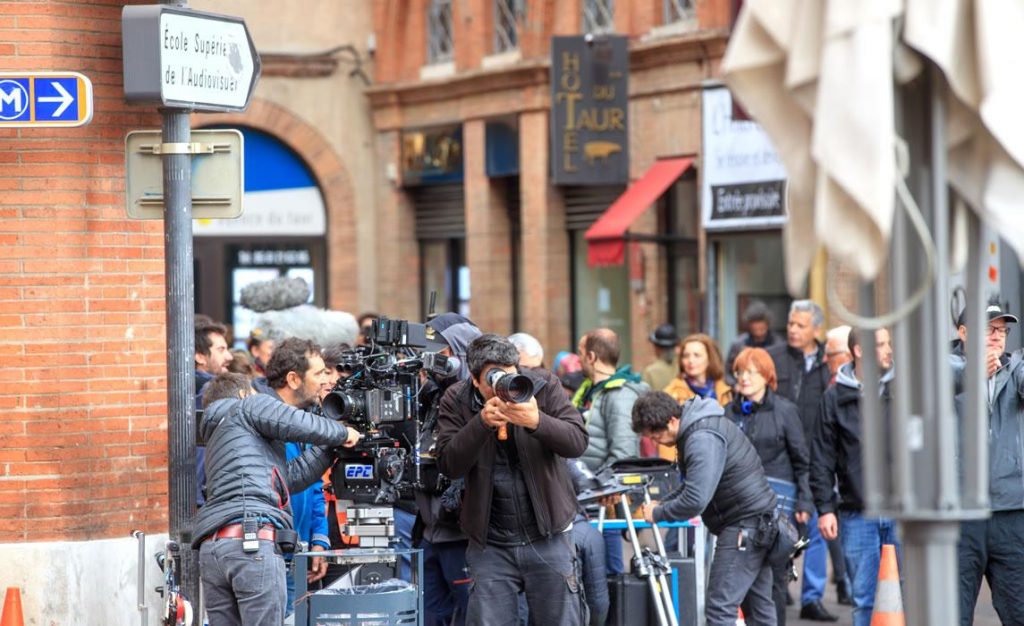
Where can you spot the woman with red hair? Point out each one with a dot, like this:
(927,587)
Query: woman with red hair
(773,426)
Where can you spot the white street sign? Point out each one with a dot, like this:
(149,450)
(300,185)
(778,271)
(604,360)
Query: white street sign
(187,59)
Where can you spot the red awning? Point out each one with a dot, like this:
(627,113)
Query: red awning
(606,238)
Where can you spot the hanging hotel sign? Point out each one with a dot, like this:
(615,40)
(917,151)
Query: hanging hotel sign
(589,110)
(744,182)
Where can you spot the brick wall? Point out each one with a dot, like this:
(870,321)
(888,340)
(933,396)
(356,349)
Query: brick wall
(83,437)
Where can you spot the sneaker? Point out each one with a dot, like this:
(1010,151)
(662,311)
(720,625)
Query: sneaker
(816,612)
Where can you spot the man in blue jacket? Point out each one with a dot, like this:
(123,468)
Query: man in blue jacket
(296,375)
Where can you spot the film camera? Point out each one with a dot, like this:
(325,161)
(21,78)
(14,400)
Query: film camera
(379,397)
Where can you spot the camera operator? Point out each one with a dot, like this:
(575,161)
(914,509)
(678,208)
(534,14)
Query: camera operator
(519,504)
(297,376)
(437,532)
(726,484)
(247,521)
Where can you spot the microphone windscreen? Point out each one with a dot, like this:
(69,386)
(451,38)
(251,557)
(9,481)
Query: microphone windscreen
(275,295)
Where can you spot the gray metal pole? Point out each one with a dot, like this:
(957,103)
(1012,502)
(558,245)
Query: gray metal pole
(181,391)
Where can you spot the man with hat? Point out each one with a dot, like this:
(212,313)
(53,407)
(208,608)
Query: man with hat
(994,548)
(665,368)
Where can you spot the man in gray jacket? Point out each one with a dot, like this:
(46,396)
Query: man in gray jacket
(606,400)
(994,548)
(249,482)
(726,485)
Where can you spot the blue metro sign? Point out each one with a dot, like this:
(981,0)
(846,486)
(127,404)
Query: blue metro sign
(44,99)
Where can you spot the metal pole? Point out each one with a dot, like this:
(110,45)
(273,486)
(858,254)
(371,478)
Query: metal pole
(181,391)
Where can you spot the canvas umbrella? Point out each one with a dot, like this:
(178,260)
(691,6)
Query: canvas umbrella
(819,77)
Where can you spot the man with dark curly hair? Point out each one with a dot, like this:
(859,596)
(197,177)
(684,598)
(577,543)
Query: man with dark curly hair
(726,485)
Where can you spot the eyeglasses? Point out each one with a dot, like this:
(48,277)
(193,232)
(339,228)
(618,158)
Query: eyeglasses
(747,373)
(997,330)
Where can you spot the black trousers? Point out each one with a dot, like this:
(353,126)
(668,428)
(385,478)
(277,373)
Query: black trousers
(545,571)
(993,548)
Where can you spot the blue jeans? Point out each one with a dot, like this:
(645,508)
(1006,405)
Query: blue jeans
(404,522)
(815,565)
(613,562)
(446,583)
(862,539)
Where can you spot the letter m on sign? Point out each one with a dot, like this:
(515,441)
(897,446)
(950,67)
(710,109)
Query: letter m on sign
(14,100)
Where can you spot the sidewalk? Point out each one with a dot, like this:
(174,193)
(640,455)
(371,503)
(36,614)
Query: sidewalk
(985,615)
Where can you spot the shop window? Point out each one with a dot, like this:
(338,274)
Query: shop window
(749,268)
(440,43)
(255,263)
(681,220)
(679,11)
(601,297)
(598,16)
(507,14)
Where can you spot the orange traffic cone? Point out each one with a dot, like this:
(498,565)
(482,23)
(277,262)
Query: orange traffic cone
(740,620)
(12,608)
(888,597)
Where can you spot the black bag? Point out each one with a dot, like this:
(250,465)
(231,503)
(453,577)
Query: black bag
(786,539)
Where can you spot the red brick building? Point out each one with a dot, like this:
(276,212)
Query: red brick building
(83,437)
(508,246)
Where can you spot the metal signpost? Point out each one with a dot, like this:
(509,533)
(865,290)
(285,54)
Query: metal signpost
(183,61)
(44,99)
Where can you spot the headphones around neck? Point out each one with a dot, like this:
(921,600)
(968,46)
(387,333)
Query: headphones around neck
(748,406)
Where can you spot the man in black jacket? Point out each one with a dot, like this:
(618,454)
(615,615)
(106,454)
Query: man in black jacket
(249,481)
(836,457)
(803,375)
(519,503)
(726,485)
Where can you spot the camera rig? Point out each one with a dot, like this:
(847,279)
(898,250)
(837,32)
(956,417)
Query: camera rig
(379,397)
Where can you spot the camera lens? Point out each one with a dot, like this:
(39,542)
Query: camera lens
(514,388)
(339,405)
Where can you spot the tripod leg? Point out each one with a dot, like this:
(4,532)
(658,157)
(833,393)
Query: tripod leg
(666,593)
(644,563)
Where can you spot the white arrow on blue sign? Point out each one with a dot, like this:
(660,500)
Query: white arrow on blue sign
(44,99)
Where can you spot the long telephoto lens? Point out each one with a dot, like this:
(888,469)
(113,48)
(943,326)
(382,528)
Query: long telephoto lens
(515,388)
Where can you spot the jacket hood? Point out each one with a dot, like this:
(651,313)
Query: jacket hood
(847,379)
(458,332)
(697,409)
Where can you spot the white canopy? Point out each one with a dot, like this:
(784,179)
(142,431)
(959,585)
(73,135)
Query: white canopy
(819,75)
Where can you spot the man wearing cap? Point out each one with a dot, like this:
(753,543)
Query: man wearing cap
(994,548)
(665,368)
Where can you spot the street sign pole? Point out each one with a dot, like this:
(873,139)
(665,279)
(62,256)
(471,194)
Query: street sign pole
(181,383)
(181,391)
(183,61)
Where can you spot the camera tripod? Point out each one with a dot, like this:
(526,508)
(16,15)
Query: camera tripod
(653,567)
